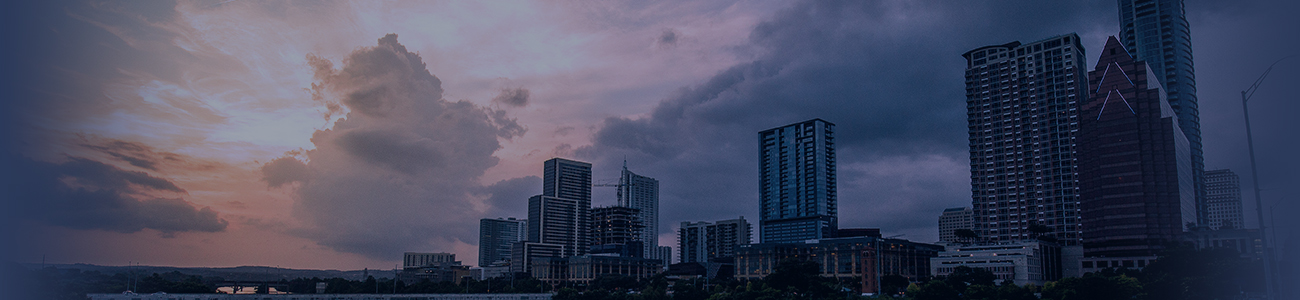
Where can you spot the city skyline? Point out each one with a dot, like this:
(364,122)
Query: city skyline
(327,143)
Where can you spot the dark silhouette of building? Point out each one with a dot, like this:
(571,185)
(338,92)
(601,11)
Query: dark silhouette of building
(1021,109)
(858,232)
(796,187)
(617,230)
(1135,170)
(616,225)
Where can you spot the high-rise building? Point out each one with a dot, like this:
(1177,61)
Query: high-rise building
(797,182)
(615,230)
(1135,170)
(1156,31)
(952,220)
(642,193)
(1223,199)
(691,242)
(1021,109)
(561,215)
(559,220)
(615,225)
(663,253)
(496,236)
(701,242)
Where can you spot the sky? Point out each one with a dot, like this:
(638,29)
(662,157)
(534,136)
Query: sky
(337,135)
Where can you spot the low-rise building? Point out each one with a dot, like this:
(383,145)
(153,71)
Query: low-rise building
(585,268)
(447,271)
(420,259)
(863,258)
(1246,242)
(1024,262)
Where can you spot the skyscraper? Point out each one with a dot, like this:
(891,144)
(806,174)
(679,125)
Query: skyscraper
(1022,119)
(1156,31)
(1135,170)
(954,219)
(559,220)
(1223,199)
(496,236)
(797,182)
(642,193)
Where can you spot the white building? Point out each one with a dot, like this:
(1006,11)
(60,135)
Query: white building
(953,219)
(1223,199)
(1024,262)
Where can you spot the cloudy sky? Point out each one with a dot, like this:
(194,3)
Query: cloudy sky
(338,135)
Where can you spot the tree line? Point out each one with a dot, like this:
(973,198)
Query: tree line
(1179,274)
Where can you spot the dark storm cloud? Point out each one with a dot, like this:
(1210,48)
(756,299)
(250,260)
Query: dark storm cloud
(889,74)
(517,97)
(509,198)
(668,38)
(85,194)
(400,171)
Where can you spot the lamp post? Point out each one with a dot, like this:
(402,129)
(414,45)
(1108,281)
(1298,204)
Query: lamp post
(1270,285)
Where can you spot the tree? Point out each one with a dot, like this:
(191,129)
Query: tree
(1094,286)
(934,290)
(801,278)
(893,284)
(1039,229)
(966,235)
(963,277)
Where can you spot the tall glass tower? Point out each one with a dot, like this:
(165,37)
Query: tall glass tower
(797,182)
(496,236)
(1155,31)
(642,193)
(1022,115)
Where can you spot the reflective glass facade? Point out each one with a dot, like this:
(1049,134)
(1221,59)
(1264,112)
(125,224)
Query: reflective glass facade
(1156,31)
(797,182)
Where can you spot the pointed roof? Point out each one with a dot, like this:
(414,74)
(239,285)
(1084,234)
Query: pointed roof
(1114,51)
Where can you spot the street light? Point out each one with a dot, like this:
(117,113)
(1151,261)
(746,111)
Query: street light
(1269,285)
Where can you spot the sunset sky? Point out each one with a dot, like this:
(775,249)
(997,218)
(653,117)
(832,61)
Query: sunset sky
(337,135)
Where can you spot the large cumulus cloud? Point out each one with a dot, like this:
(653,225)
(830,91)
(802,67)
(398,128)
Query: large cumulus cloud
(886,72)
(400,172)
